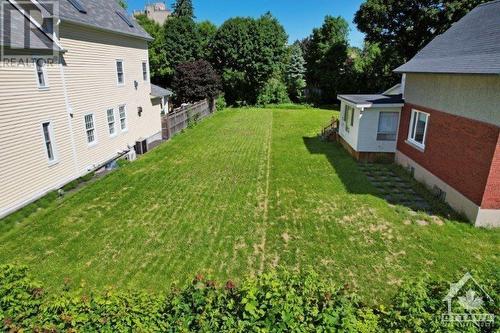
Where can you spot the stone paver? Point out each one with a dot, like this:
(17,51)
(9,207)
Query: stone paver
(395,190)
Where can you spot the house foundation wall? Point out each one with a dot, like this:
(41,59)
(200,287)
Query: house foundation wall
(460,203)
(368,157)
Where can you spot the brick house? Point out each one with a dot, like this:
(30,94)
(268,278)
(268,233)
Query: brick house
(449,134)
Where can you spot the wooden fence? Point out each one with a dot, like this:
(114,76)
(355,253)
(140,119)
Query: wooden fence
(180,118)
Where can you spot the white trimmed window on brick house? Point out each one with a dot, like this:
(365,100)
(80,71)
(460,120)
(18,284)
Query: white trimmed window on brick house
(418,128)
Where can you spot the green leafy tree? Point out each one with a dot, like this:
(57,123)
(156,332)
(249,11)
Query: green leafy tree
(180,43)
(208,30)
(365,68)
(183,8)
(326,58)
(157,57)
(295,73)
(401,28)
(248,52)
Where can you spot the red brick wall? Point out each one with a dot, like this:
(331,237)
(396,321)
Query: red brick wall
(491,198)
(458,150)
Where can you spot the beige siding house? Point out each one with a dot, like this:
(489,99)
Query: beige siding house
(61,120)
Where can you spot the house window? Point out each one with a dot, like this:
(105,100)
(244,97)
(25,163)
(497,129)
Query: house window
(111,121)
(387,126)
(144,70)
(48,137)
(90,128)
(41,73)
(418,128)
(119,72)
(123,117)
(349,117)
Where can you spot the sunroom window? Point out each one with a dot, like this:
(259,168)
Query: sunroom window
(387,126)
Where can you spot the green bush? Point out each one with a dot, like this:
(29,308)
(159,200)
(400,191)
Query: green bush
(273,92)
(275,302)
(220,103)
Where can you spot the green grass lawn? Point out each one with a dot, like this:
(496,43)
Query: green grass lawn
(243,192)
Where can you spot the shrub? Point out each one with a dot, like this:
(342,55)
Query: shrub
(273,92)
(195,81)
(275,302)
(220,103)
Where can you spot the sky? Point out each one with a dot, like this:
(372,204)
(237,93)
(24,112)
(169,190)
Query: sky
(298,17)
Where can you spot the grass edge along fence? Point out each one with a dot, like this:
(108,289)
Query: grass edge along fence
(183,117)
(280,301)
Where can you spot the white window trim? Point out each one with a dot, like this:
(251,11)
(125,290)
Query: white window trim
(44,72)
(147,70)
(52,136)
(412,126)
(116,70)
(114,123)
(93,143)
(347,117)
(120,118)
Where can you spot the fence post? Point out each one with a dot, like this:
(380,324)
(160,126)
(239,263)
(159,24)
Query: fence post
(211,104)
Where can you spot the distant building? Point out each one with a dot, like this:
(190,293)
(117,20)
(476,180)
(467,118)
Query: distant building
(157,12)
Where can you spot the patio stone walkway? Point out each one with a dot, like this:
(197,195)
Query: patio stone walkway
(394,189)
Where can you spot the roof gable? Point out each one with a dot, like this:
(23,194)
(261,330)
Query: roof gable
(471,45)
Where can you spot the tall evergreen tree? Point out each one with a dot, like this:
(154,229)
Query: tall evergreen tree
(181,42)
(207,33)
(295,73)
(183,8)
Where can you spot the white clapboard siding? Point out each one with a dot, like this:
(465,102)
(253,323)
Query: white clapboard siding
(88,72)
(91,79)
(25,172)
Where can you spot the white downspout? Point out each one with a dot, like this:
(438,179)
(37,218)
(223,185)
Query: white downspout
(69,111)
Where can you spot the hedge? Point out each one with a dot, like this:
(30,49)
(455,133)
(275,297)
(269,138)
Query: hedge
(280,301)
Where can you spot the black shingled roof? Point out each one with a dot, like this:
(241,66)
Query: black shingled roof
(100,14)
(470,46)
(373,100)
